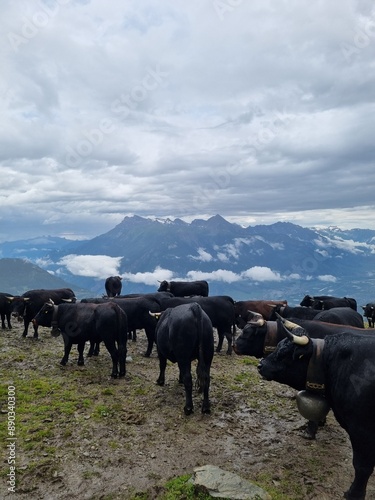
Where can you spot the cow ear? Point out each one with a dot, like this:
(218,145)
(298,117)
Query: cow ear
(300,352)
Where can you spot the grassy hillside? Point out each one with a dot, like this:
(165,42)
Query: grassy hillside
(18,275)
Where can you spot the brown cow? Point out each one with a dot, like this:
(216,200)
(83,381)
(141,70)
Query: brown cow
(263,307)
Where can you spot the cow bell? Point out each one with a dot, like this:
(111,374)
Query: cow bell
(312,406)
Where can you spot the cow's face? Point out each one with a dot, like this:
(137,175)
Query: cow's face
(19,307)
(287,364)
(251,341)
(44,316)
(163,286)
(307,301)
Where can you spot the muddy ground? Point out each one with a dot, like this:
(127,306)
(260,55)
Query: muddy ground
(81,434)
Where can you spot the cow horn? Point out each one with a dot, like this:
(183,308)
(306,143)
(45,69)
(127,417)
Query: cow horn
(303,340)
(272,305)
(26,299)
(288,324)
(10,299)
(297,339)
(67,300)
(155,315)
(259,321)
(51,302)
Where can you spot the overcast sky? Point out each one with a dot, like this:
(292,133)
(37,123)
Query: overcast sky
(260,111)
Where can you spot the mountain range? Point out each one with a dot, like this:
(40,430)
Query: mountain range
(277,261)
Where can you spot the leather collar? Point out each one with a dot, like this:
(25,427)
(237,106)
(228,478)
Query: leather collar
(315,381)
(271,338)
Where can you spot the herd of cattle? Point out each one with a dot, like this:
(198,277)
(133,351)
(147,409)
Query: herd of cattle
(320,348)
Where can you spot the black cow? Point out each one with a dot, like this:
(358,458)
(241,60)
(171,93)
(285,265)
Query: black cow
(337,315)
(113,286)
(341,316)
(184,288)
(259,338)
(301,312)
(368,312)
(344,364)
(137,311)
(220,310)
(5,309)
(184,333)
(79,323)
(243,309)
(28,305)
(321,302)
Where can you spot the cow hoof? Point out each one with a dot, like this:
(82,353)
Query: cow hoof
(206,410)
(80,363)
(160,382)
(122,374)
(62,362)
(147,354)
(308,435)
(188,411)
(113,375)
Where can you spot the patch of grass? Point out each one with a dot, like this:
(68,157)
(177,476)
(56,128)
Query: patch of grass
(182,487)
(282,488)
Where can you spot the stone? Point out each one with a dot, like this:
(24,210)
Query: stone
(223,484)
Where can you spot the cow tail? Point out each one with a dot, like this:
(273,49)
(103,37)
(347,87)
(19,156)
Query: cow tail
(202,371)
(122,331)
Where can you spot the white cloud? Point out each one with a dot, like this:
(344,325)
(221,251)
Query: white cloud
(352,246)
(96,266)
(259,273)
(328,278)
(202,255)
(159,274)
(218,275)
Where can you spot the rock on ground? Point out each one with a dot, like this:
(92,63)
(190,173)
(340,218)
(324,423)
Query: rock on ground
(222,484)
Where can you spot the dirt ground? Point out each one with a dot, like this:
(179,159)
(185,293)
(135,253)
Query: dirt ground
(81,434)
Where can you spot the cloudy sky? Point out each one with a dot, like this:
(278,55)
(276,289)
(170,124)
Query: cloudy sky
(258,110)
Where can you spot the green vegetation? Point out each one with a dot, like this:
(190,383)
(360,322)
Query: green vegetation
(182,488)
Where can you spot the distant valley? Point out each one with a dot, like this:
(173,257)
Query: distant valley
(277,261)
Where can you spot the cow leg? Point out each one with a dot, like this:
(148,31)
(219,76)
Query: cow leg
(185,374)
(162,367)
(113,351)
(81,348)
(25,328)
(228,336)
(203,378)
(221,340)
(150,342)
(363,467)
(94,349)
(9,323)
(35,326)
(122,351)
(3,321)
(311,430)
(67,349)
